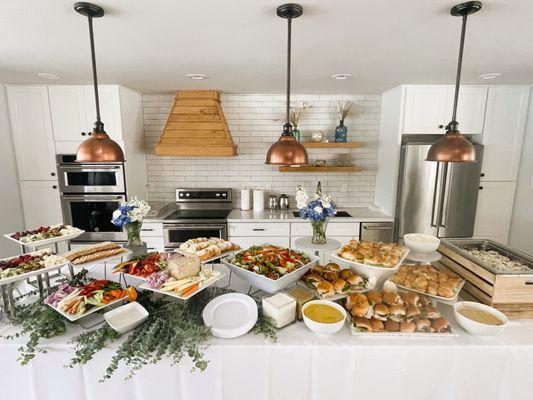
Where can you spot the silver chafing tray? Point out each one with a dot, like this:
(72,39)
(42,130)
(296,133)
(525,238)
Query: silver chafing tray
(461,245)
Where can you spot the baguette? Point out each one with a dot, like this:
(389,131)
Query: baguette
(96,256)
(72,255)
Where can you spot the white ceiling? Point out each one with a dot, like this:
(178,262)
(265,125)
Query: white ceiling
(240,44)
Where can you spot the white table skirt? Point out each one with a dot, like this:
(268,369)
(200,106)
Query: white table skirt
(301,365)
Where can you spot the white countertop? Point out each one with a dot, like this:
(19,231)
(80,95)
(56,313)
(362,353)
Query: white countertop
(358,214)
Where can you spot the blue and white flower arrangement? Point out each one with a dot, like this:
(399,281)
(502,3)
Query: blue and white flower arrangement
(318,210)
(130,217)
(130,211)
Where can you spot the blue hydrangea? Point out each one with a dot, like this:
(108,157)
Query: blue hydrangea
(315,210)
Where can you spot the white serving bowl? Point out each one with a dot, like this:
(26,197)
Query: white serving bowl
(375,273)
(267,284)
(318,327)
(113,317)
(421,243)
(477,328)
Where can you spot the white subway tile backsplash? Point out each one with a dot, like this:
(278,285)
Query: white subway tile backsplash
(255,121)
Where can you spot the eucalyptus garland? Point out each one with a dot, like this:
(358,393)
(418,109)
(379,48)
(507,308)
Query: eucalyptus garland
(173,330)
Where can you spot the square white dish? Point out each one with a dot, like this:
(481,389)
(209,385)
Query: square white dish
(267,284)
(93,309)
(103,260)
(137,315)
(217,275)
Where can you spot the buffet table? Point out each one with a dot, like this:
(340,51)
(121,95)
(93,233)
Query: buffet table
(301,365)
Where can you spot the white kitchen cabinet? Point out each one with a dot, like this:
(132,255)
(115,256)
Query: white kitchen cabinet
(265,229)
(40,203)
(32,132)
(247,241)
(494,210)
(425,109)
(69,116)
(428,109)
(73,111)
(343,229)
(504,132)
(152,235)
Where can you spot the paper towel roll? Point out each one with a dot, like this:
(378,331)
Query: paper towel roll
(259,200)
(245,199)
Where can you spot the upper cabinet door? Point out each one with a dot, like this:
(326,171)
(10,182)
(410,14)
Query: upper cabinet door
(67,106)
(32,132)
(425,109)
(504,132)
(41,203)
(109,97)
(470,108)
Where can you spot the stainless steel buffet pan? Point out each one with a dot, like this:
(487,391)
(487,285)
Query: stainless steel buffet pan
(460,245)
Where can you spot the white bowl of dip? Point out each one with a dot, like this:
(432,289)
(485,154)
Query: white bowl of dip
(127,317)
(479,319)
(421,243)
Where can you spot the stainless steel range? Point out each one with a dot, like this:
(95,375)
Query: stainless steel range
(198,213)
(90,192)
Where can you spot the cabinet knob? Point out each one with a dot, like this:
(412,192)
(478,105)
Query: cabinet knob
(441,126)
(482,174)
(52,173)
(83,134)
(481,188)
(54,186)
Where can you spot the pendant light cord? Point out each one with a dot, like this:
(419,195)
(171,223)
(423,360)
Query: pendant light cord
(98,125)
(288,105)
(458,76)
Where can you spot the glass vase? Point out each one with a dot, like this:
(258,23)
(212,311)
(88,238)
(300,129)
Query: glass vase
(340,132)
(319,231)
(133,230)
(296,133)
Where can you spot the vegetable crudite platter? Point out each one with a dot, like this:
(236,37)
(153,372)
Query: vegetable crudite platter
(26,265)
(75,302)
(143,266)
(268,267)
(44,235)
(182,277)
(330,282)
(95,254)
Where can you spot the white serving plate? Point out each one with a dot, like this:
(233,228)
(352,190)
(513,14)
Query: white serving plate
(123,328)
(26,275)
(44,242)
(102,260)
(214,258)
(447,300)
(230,315)
(217,275)
(73,318)
(402,334)
(380,274)
(267,284)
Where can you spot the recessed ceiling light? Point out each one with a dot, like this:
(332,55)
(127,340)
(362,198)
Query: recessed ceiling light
(197,77)
(341,77)
(492,75)
(46,75)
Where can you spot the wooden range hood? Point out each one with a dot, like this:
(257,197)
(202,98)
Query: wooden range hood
(196,127)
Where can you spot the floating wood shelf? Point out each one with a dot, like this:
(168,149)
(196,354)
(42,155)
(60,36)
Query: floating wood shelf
(312,168)
(333,145)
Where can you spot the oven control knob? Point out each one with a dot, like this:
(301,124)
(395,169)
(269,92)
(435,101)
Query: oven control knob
(217,194)
(224,194)
(188,194)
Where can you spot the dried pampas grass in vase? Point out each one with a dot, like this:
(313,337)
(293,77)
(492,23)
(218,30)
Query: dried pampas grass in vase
(344,107)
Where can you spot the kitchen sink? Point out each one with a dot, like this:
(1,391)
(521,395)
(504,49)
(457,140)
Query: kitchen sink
(339,214)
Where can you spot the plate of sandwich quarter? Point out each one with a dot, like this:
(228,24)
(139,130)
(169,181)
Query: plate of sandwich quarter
(391,313)
(330,282)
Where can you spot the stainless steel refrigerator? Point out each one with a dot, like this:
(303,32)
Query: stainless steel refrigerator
(439,199)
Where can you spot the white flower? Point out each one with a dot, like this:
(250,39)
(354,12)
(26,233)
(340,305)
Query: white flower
(301,198)
(318,209)
(116,214)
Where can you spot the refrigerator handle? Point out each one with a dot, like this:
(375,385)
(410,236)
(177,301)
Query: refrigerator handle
(445,194)
(435,213)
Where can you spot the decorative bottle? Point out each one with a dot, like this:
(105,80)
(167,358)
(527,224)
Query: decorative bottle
(340,132)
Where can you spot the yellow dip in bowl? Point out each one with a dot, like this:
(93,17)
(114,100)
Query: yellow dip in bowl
(323,313)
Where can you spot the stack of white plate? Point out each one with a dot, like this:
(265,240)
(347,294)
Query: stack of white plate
(230,315)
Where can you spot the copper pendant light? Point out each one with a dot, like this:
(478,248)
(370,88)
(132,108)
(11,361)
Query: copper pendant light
(99,147)
(453,146)
(287,150)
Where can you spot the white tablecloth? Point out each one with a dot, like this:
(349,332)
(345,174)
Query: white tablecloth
(301,365)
